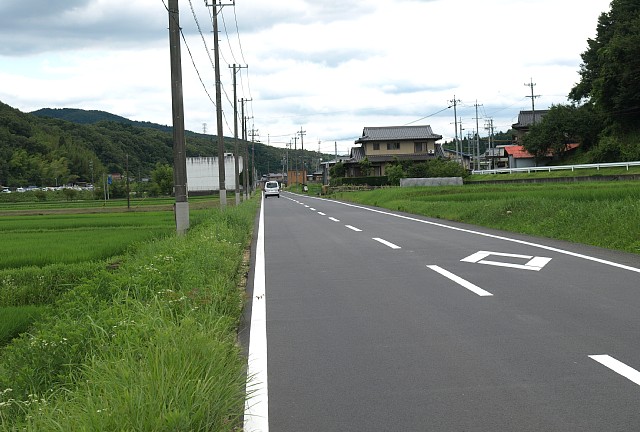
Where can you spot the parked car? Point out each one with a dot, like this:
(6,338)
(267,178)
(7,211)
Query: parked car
(6,190)
(271,188)
(20,189)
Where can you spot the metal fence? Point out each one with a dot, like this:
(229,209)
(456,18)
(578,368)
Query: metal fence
(558,168)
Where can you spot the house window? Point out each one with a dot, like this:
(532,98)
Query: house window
(393,146)
(420,147)
(376,146)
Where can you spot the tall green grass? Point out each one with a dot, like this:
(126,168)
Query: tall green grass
(16,320)
(150,345)
(604,214)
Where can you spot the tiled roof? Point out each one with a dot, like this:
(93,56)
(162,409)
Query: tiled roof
(518,152)
(525,118)
(357,154)
(397,133)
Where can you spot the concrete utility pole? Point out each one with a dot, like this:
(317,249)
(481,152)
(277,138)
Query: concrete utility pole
(254,132)
(179,155)
(245,169)
(216,47)
(477,139)
(533,97)
(455,122)
(235,132)
(302,133)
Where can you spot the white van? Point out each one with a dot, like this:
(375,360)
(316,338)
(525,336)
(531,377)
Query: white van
(271,188)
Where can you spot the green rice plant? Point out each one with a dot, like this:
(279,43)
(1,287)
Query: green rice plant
(147,346)
(43,285)
(70,246)
(15,320)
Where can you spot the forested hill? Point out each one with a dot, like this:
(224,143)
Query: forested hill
(87,117)
(44,151)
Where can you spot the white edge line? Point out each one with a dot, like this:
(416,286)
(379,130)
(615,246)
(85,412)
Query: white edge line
(618,367)
(256,411)
(386,243)
(457,279)
(353,228)
(468,231)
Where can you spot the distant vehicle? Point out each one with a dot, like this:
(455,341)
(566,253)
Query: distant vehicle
(6,190)
(20,189)
(271,188)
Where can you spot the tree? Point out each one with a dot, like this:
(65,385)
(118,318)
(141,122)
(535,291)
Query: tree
(610,72)
(365,167)
(162,176)
(394,174)
(562,125)
(338,170)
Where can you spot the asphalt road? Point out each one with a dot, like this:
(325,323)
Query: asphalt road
(382,321)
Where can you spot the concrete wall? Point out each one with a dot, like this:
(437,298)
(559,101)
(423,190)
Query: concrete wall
(202,173)
(436,181)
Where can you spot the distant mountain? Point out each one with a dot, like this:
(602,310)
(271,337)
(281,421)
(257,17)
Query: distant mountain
(57,146)
(87,117)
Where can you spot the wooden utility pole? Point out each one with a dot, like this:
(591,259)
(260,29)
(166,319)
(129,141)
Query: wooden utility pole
(179,155)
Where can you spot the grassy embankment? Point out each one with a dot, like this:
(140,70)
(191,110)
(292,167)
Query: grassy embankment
(604,214)
(142,341)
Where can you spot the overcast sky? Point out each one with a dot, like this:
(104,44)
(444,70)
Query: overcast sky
(328,67)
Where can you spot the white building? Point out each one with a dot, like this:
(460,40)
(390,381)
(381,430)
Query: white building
(203,174)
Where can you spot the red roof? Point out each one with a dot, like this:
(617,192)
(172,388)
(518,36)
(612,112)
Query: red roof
(518,152)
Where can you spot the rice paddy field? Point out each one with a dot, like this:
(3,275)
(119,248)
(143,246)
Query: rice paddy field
(109,321)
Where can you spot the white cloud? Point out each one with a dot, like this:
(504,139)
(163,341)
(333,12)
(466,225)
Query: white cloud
(330,66)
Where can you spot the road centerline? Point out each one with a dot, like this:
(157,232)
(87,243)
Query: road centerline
(387,243)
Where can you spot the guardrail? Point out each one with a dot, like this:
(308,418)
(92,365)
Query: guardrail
(558,168)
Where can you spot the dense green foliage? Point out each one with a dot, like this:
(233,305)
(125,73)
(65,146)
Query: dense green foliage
(610,72)
(45,151)
(563,125)
(602,214)
(149,344)
(605,117)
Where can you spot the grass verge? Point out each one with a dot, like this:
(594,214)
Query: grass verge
(604,214)
(150,345)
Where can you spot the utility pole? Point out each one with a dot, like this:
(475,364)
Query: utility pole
(455,122)
(216,47)
(179,155)
(235,132)
(295,155)
(302,134)
(128,185)
(477,167)
(254,132)
(245,166)
(533,97)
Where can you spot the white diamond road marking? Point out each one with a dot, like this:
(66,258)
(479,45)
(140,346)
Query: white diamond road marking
(534,263)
